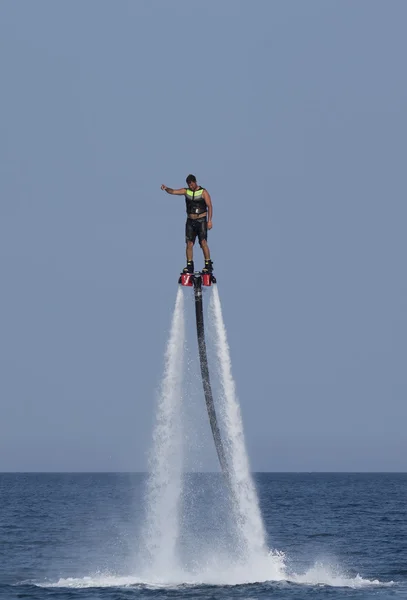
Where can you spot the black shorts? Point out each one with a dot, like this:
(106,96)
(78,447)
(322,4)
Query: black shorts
(196,227)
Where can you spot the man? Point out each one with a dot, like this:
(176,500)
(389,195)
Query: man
(199,207)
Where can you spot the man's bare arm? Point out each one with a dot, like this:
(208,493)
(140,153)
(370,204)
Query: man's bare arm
(208,202)
(180,192)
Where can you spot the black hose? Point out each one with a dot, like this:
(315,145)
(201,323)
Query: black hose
(205,374)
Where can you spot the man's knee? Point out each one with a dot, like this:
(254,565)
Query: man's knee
(190,244)
(203,243)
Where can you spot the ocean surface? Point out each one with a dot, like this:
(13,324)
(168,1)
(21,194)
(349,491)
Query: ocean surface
(78,536)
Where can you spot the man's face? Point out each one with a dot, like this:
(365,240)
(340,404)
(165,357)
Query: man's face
(192,185)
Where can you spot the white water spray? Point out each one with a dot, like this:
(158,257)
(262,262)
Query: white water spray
(246,506)
(164,484)
(164,542)
(164,488)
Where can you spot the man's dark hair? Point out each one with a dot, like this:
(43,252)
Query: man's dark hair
(191,178)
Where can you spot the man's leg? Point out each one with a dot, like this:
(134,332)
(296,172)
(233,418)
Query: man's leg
(190,257)
(190,251)
(203,232)
(190,236)
(205,250)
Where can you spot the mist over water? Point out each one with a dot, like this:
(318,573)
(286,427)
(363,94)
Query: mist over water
(173,541)
(244,496)
(200,530)
(164,484)
(252,546)
(204,529)
(341,540)
(208,529)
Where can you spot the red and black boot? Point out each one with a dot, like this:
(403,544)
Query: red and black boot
(189,268)
(208,268)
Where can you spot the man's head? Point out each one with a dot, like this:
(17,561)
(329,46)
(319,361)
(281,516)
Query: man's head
(191,182)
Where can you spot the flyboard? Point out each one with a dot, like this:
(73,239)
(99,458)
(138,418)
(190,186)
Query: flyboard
(197,280)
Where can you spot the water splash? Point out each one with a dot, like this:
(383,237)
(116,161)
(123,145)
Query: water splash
(164,485)
(245,502)
(328,575)
(220,574)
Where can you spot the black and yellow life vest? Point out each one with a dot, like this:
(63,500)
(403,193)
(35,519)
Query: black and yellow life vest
(195,202)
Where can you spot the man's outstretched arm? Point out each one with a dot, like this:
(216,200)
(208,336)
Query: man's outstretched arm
(169,190)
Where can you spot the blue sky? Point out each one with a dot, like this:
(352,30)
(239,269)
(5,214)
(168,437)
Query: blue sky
(293,115)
